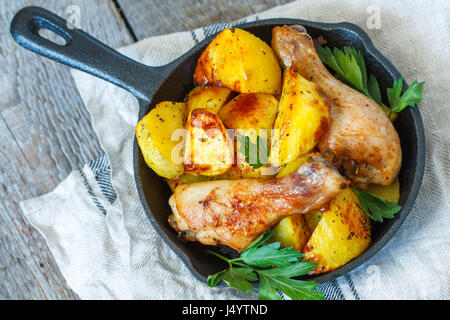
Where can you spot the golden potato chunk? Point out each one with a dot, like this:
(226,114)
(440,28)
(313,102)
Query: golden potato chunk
(292,232)
(343,233)
(250,111)
(208,149)
(211,98)
(303,116)
(238,60)
(154,136)
(290,167)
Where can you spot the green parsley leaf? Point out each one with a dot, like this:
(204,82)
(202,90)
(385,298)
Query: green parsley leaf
(295,289)
(270,255)
(349,64)
(239,278)
(273,267)
(248,149)
(375,207)
(374,89)
(412,95)
(279,278)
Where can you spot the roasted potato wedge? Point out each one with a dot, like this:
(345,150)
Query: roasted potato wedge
(389,193)
(208,150)
(303,116)
(154,136)
(211,98)
(250,111)
(343,233)
(292,232)
(290,167)
(240,61)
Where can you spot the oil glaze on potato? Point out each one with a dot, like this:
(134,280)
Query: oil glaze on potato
(240,61)
(209,97)
(250,111)
(154,136)
(343,233)
(303,116)
(208,149)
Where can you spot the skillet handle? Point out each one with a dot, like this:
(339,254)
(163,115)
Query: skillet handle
(83,52)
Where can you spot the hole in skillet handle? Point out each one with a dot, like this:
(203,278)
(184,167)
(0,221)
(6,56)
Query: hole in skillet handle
(49,31)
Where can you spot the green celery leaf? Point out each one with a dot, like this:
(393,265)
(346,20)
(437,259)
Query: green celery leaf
(375,207)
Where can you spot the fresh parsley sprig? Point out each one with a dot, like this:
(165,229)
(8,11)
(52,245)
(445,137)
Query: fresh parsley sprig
(399,101)
(375,207)
(273,267)
(261,149)
(349,64)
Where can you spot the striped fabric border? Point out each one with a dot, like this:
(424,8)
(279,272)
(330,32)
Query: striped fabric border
(102,174)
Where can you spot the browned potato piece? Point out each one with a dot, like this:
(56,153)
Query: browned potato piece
(238,60)
(303,116)
(209,97)
(208,149)
(343,233)
(250,111)
(292,232)
(154,136)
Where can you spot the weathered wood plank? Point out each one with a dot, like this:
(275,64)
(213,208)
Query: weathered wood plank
(45,133)
(154,17)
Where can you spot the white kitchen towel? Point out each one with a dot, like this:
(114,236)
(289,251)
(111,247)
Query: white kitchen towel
(106,248)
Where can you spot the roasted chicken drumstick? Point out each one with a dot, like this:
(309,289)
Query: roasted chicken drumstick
(236,212)
(361,137)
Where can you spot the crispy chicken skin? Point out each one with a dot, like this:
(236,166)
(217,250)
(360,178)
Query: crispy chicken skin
(361,138)
(236,212)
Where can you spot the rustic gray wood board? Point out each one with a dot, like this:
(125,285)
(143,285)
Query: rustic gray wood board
(45,133)
(154,17)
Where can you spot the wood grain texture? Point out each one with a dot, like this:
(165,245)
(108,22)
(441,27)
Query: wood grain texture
(154,17)
(45,133)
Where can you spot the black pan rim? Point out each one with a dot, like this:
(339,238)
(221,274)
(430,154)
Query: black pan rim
(417,177)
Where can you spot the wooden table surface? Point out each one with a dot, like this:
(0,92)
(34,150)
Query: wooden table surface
(45,131)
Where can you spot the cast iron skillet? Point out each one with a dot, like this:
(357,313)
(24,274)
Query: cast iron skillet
(151,85)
